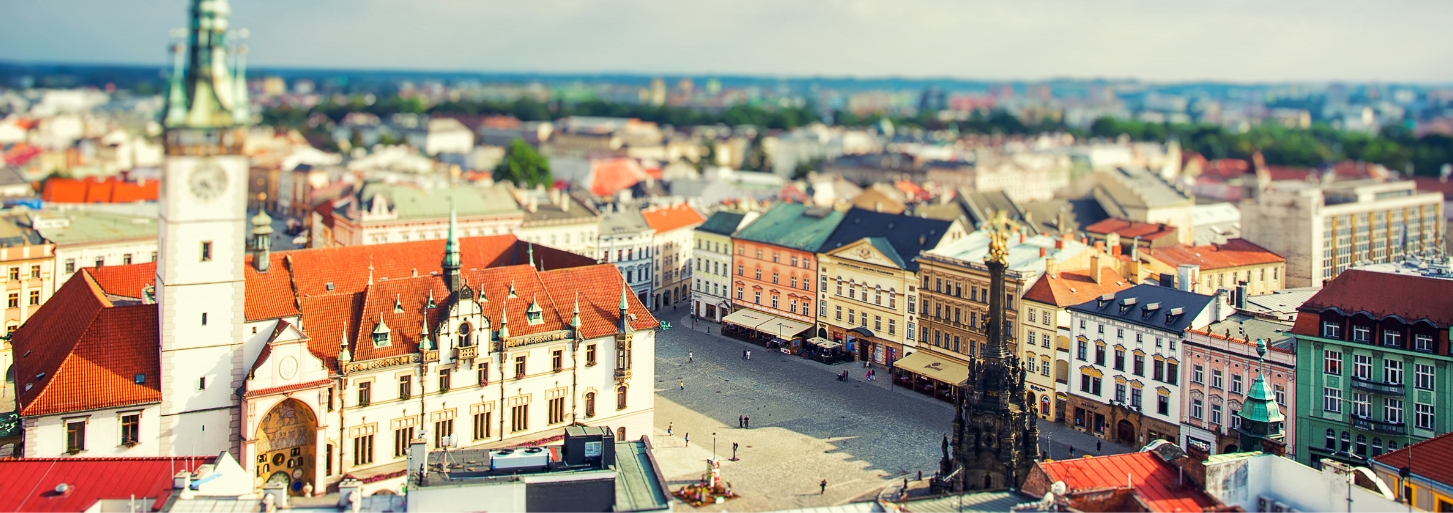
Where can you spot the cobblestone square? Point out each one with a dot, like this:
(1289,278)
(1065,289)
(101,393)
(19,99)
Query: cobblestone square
(806,425)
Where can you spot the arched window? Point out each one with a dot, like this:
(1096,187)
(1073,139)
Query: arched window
(590,404)
(1331,440)
(1346,442)
(464,331)
(621,398)
(1362,445)
(620,433)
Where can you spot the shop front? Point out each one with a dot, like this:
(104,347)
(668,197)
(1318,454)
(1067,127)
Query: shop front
(930,374)
(771,331)
(867,346)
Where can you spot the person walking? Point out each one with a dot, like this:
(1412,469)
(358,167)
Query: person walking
(683,385)
(734,451)
(740,424)
(1072,451)
(688,439)
(823,487)
(668,428)
(690,357)
(747,421)
(744,354)
(1097,447)
(749,354)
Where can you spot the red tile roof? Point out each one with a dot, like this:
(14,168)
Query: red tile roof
(1132,229)
(1430,459)
(1381,295)
(665,219)
(90,348)
(1154,480)
(1233,253)
(80,352)
(1075,287)
(98,190)
(30,483)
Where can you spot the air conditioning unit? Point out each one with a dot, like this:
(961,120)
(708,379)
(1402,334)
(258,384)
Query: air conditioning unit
(1264,504)
(519,459)
(1281,507)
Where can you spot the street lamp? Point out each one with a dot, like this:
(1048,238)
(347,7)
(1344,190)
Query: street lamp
(713,448)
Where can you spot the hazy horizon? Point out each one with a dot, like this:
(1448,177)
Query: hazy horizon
(1234,41)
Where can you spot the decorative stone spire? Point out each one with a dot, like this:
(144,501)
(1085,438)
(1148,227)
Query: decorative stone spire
(425,343)
(241,107)
(206,96)
(504,324)
(261,237)
(451,253)
(530,249)
(343,355)
(575,316)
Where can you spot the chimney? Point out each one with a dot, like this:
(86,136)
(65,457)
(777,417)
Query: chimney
(1041,252)
(1241,295)
(555,196)
(1051,266)
(1095,267)
(1132,271)
(1099,246)
(1115,250)
(182,480)
(533,205)
(1021,237)
(1059,244)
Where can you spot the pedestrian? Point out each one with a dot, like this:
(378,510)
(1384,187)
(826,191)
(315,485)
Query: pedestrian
(749,354)
(747,421)
(690,357)
(823,486)
(683,385)
(688,439)
(1097,447)
(1072,451)
(734,451)
(739,421)
(744,354)
(668,428)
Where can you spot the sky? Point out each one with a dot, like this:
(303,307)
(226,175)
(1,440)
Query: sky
(1152,40)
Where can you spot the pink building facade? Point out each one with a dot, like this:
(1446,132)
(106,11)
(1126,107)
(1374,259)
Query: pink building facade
(1220,364)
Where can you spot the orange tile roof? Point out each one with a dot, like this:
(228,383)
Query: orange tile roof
(1430,459)
(1069,288)
(599,289)
(1234,253)
(609,176)
(98,190)
(80,352)
(665,219)
(1154,480)
(30,482)
(1131,229)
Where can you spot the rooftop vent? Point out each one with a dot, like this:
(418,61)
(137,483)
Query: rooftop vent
(328,285)
(139,379)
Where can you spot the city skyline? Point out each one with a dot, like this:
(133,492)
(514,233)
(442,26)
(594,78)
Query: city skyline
(1049,39)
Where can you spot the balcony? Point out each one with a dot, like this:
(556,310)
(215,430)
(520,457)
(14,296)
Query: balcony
(622,374)
(431,356)
(466,353)
(1376,387)
(1378,426)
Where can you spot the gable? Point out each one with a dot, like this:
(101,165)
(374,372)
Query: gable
(866,251)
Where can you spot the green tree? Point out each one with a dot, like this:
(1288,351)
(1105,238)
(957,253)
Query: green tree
(523,166)
(805,168)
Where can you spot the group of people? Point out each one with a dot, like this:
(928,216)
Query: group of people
(744,421)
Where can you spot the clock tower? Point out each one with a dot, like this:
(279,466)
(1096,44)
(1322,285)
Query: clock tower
(199,270)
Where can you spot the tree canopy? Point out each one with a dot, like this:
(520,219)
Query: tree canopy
(523,166)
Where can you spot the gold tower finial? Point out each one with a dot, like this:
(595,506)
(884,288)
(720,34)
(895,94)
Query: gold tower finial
(999,228)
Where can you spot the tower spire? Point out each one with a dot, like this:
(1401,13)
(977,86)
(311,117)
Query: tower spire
(451,252)
(241,107)
(530,248)
(208,97)
(575,317)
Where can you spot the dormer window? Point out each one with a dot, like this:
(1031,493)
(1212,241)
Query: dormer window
(1149,310)
(534,314)
(1170,317)
(1125,304)
(398,305)
(381,334)
(1104,300)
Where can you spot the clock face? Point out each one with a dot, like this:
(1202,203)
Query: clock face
(208,181)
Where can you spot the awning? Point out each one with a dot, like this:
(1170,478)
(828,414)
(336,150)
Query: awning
(935,368)
(823,343)
(747,318)
(766,323)
(783,326)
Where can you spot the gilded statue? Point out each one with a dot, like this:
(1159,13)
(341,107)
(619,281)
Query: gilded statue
(999,229)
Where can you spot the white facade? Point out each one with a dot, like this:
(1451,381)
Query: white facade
(625,240)
(101,431)
(199,295)
(1323,230)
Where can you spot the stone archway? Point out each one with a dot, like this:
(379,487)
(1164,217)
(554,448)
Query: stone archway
(287,440)
(1125,432)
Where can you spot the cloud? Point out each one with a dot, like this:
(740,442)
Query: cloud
(1234,40)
